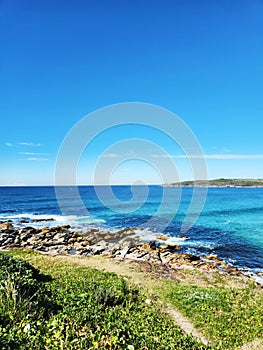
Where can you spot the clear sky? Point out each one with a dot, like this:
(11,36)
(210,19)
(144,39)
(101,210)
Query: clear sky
(63,59)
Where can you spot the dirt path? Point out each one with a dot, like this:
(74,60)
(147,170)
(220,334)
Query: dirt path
(146,281)
(256,344)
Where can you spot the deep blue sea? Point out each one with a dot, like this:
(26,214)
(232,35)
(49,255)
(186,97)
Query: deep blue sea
(230,224)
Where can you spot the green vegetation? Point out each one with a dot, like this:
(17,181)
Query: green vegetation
(68,305)
(229,317)
(80,308)
(222,183)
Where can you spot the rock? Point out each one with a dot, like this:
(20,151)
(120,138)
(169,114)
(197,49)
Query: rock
(45,230)
(211,257)
(224,265)
(233,271)
(125,250)
(29,229)
(136,255)
(97,248)
(8,241)
(129,232)
(65,227)
(91,231)
(24,244)
(165,257)
(17,240)
(60,237)
(51,243)
(6,226)
(30,239)
(162,237)
(192,257)
(171,246)
(41,220)
(25,236)
(148,246)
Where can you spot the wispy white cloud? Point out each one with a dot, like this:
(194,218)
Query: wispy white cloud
(37,159)
(111,155)
(210,156)
(163,156)
(191,156)
(31,144)
(234,156)
(31,153)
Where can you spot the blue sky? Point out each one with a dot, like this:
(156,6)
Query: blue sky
(61,60)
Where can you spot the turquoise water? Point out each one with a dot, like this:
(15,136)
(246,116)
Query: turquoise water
(230,225)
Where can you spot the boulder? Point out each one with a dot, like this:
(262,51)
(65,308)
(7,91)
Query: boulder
(165,257)
(42,220)
(6,226)
(170,246)
(162,237)
(211,257)
(125,250)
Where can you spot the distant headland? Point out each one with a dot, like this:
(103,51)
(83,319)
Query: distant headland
(219,183)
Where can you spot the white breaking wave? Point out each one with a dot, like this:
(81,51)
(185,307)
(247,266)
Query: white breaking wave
(67,219)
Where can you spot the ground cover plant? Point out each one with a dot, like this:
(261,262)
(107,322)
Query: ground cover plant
(229,317)
(73,306)
(79,308)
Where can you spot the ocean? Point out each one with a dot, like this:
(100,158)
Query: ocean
(230,224)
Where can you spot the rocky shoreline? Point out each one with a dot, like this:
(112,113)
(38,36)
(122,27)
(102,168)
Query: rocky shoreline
(123,243)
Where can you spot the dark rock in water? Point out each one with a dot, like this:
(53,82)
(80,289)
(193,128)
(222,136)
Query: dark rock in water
(24,222)
(41,220)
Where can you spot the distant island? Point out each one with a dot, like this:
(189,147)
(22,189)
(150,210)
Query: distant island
(219,183)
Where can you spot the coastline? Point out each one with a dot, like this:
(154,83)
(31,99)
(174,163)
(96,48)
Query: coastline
(219,183)
(122,245)
(210,186)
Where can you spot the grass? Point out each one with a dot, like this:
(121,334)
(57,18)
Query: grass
(91,309)
(85,309)
(229,317)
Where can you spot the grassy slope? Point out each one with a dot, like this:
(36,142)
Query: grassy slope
(81,308)
(226,309)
